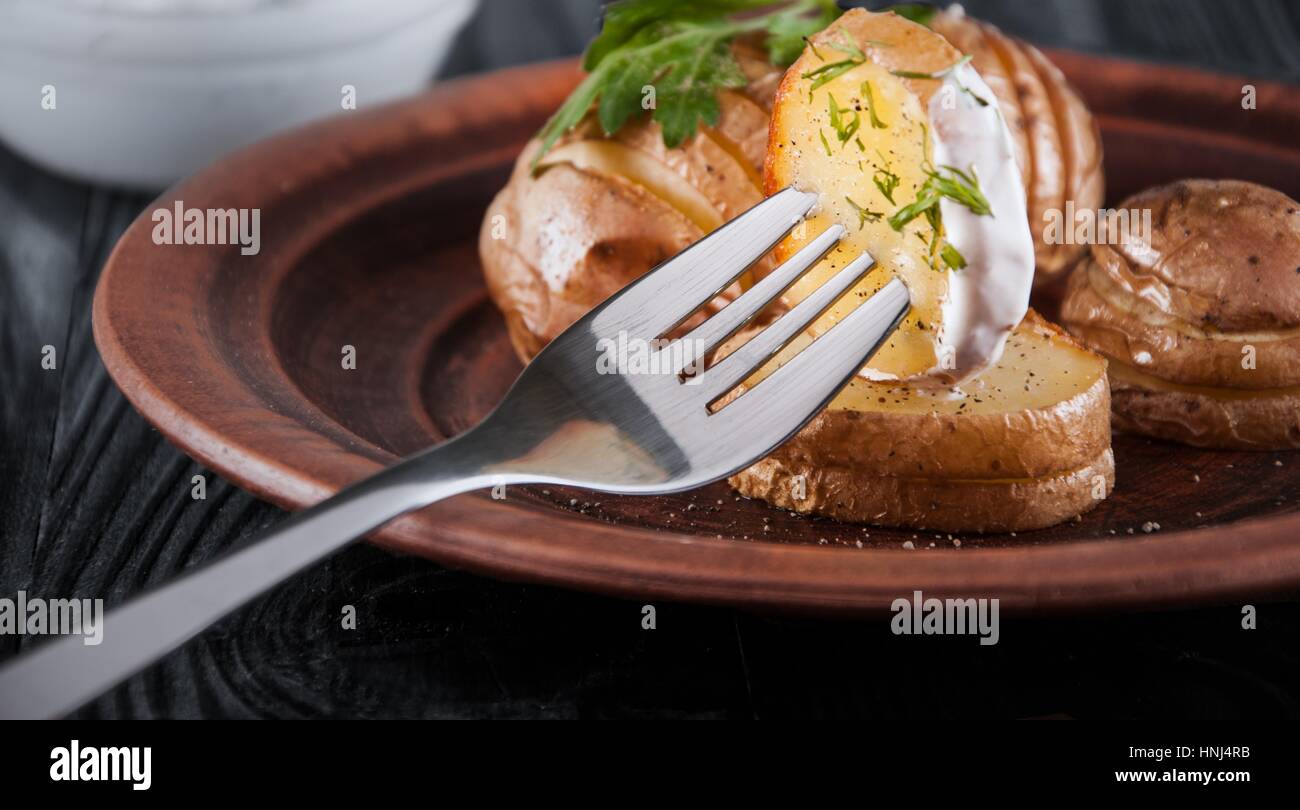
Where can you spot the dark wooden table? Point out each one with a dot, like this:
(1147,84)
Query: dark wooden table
(94,502)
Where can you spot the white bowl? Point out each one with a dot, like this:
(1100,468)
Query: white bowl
(147,91)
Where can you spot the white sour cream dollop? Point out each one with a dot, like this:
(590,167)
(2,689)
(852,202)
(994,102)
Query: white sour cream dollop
(989,296)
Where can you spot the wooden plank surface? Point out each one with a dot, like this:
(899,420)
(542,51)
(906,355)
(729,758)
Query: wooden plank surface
(93,502)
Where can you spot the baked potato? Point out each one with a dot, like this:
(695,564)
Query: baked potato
(1024,442)
(598,211)
(1027,446)
(883,120)
(1018,435)
(1201,317)
(1057,141)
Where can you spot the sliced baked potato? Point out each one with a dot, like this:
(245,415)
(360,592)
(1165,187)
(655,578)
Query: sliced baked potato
(1057,141)
(906,150)
(552,249)
(1200,317)
(598,211)
(1022,442)
(1027,446)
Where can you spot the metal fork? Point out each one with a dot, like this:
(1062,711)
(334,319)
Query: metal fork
(561,423)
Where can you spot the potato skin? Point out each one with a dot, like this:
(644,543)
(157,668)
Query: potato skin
(1263,423)
(1057,142)
(999,471)
(858,495)
(1129,331)
(1222,254)
(556,243)
(569,239)
(1218,274)
(1024,443)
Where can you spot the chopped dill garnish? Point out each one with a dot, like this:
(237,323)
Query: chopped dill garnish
(938,74)
(832,70)
(843,126)
(870,99)
(864,216)
(957,185)
(885,180)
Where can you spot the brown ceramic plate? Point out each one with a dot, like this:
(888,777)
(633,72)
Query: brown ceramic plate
(369,225)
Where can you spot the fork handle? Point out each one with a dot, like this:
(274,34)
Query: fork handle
(64,673)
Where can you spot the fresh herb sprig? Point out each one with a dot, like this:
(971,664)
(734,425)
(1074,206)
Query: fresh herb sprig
(833,70)
(844,126)
(886,181)
(938,74)
(683,50)
(864,216)
(955,184)
(869,99)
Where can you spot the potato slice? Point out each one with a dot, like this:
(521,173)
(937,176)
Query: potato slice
(1037,411)
(1231,418)
(804,150)
(876,108)
(1047,185)
(1026,447)
(548,264)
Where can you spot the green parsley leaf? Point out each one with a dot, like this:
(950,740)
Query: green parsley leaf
(626,20)
(788,30)
(685,94)
(683,50)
